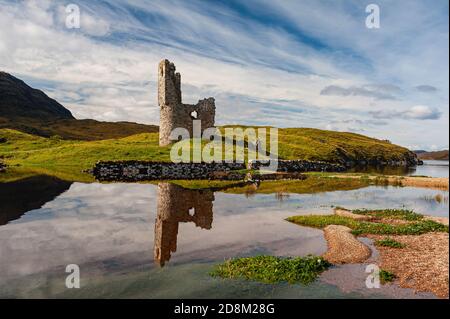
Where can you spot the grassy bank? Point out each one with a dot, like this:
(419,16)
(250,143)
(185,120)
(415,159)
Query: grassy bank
(389,242)
(23,149)
(312,184)
(410,222)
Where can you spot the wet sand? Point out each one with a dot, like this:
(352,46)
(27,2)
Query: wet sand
(423,264)
(343,247)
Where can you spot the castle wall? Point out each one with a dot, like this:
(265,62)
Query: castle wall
(175,114)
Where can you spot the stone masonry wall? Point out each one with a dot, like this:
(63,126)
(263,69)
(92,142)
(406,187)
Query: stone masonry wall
(299,166)
(131,171)
(175,114)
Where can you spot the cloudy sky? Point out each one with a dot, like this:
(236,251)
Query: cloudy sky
(305,63)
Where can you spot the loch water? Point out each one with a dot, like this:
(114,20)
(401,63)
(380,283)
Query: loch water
(162,240)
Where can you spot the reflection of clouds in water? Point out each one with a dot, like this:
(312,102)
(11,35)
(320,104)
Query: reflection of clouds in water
(89,222)
(432,169)
(105,200)
(370,197)
(95,222)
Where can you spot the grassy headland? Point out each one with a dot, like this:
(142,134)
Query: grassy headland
(58,154)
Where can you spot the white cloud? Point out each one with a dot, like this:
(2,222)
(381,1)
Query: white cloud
(418,112)
(260,73)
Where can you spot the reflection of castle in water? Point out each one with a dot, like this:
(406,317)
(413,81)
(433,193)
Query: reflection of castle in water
(179,205)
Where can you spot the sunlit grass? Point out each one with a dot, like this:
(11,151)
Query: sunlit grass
(389,242)
(270,269)
(414,226)
(55,153)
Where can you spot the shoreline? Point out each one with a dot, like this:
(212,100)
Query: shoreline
(438,183)
(423,263)
(419,261)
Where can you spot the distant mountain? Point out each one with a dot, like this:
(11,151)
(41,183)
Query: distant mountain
(31,111)
(437,155)
(17,99)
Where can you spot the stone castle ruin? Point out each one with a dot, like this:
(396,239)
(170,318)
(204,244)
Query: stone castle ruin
(175,114)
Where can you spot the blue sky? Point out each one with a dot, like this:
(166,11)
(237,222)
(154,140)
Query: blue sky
(306,63)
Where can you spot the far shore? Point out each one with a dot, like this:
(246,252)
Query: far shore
(438,183)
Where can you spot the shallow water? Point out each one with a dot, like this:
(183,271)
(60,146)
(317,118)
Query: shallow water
(432,169)
(429,168)
(122,234)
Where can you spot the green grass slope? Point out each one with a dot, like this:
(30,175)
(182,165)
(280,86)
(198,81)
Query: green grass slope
(330,146)
(26,150)
(72,129)
(29,150)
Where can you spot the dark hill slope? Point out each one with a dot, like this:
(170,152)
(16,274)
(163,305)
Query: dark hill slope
(17,99)
(31,111)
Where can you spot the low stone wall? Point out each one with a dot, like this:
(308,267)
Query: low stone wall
(299,166)
(130,171)
(381,163)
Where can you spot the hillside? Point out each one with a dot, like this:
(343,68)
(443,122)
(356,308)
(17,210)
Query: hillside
(31,111)
(339,147)
(17,99)
(437,155)
(28,150)
(72,129)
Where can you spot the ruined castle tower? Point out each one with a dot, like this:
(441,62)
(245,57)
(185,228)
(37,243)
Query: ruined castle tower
(175,114)
(179,205)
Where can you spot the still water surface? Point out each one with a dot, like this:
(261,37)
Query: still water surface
(160,241)
(430,169)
